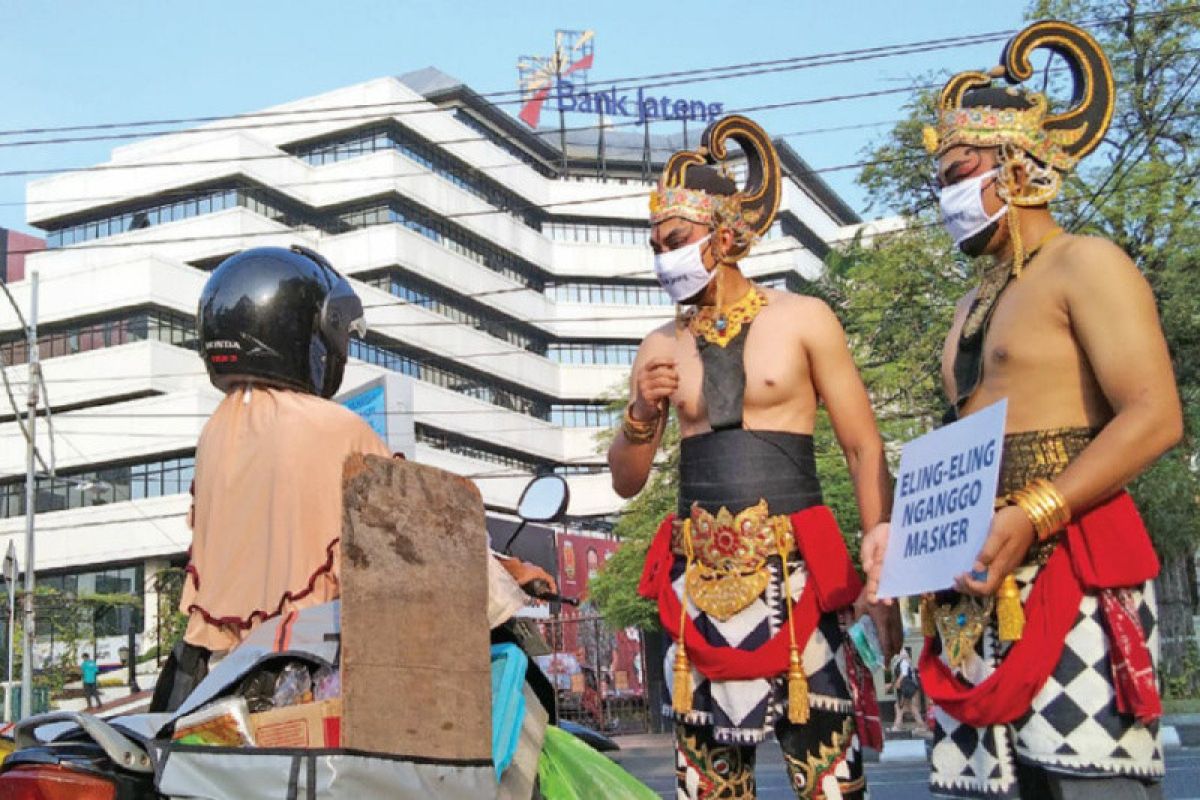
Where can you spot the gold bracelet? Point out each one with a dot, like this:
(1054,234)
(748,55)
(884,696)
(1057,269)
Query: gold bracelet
(1045,506)
(638,431)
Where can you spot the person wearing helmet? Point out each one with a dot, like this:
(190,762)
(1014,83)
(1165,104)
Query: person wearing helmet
(275,329)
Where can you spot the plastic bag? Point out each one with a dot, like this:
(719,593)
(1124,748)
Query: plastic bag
(327,684)
(225,723)
(570,770)
(294,685)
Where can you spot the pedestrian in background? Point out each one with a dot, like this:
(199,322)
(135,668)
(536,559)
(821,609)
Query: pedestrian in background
(91,685)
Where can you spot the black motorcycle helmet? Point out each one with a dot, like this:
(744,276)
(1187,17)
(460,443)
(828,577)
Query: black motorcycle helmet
(278,317)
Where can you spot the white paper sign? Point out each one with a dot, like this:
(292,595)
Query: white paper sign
(945,495)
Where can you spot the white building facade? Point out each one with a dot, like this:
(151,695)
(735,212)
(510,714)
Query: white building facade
(506,288)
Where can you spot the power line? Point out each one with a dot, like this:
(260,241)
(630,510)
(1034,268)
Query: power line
(714,73)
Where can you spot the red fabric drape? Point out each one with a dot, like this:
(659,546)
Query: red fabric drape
(1106,548)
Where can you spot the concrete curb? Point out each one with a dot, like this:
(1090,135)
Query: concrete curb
(902,750)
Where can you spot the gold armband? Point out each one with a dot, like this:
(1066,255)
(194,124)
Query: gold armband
(1045,506)
(636,431)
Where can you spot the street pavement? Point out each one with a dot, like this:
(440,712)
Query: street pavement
(650,759)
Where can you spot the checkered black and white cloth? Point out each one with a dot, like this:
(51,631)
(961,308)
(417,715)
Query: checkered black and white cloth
(1072,727)
(744,712)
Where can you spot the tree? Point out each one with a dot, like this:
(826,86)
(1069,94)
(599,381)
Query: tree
(1138,189)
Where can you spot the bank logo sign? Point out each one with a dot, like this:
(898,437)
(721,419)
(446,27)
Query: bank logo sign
(563,79)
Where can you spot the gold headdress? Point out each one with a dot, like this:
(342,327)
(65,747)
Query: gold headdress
(972,111)
(748,211)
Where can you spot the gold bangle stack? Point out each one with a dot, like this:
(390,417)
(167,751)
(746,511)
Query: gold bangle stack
(1045,506)
(636,431)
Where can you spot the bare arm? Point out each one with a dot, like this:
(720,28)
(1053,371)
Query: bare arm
(1114,318)
(839,386)
(651,382)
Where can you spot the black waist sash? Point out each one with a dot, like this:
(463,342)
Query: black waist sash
(736,468)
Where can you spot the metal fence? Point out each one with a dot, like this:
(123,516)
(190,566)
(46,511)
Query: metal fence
(600,674)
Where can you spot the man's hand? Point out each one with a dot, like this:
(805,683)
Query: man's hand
(655,382)
(887,621)
(523,572)
(874,545)
(1007,543)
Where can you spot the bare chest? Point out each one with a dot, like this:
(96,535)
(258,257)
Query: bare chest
(776,371)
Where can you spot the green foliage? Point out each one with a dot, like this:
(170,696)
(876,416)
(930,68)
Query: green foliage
(172,623)
(614,588)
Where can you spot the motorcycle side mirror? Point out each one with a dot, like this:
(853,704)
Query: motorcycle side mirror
(544,499)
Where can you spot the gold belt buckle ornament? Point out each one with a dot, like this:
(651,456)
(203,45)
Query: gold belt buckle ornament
(729,557)
(961,625)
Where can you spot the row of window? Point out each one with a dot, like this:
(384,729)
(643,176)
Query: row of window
(159,477)
(608,353)
(449,236)
(389,358)
(582,415)
(501,141)
(629,294)
(392,137)
(198,202)
(471,449)
(429,296)
(597,233)
(120,328)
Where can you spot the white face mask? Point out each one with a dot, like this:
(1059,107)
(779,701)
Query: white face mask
(681,272)
(962,208)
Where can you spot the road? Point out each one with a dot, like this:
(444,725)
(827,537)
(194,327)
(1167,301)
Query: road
(906,781)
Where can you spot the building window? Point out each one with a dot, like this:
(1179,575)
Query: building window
(131,480)
(450,236)
(418,292)
(107,619)
(608,294)
(397,358)
(123,327)
(592,353)
(391,136)
(197,202)
(582,415)
(597,233)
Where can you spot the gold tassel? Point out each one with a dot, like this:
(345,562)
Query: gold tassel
(1010,615)
(797,690)
(681,696)
(1018,244)
(928,623)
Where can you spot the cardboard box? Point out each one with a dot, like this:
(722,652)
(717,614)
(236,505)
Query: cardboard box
(306,725)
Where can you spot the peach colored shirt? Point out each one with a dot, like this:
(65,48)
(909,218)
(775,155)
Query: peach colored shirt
(267,514)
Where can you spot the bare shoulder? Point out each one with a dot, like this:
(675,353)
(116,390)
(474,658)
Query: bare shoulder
(807,312)
(660,341)
(1088,262)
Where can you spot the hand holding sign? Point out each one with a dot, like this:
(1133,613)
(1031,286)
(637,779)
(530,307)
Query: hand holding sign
(943,505)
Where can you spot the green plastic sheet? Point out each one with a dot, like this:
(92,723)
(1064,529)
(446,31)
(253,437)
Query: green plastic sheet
(570,770)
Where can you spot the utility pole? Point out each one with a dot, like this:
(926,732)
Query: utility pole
(11,571)
(31,404)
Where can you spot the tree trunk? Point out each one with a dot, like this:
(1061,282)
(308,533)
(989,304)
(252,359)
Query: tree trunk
(1176,628)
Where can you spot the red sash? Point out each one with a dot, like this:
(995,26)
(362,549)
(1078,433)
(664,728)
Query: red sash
(832,584)
(1103,550)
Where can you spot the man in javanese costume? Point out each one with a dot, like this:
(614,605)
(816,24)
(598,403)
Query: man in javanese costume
(751,576)
(1042,663)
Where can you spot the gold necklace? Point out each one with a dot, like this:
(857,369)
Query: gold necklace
(721,326)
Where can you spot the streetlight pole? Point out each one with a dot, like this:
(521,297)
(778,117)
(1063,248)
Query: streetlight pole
(31,404)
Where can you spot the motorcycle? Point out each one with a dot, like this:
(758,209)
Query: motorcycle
(76,755)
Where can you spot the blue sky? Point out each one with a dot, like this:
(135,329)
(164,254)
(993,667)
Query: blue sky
(71,63)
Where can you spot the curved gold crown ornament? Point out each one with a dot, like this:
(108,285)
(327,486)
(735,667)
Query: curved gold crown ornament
(750,210)
(972,111)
